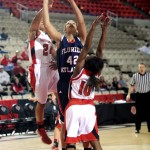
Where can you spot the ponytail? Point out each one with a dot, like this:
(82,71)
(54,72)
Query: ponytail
(93,82)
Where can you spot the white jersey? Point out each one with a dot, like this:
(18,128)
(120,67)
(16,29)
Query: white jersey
(40,49)
(78,86)
(42,79)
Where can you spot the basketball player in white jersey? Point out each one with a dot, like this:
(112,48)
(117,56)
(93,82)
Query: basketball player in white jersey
(42,78)
(80,115)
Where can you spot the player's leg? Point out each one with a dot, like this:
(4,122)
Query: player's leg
(41,90)
(96,145)
(57,133)
(88,122)
(53,89)
(39,111)
(72,117)
(87,146)
(62,90)
(63,144)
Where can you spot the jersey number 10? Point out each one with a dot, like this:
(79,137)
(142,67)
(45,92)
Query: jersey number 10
(84,89)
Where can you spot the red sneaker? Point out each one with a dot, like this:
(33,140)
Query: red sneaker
(44,137)
(55,148)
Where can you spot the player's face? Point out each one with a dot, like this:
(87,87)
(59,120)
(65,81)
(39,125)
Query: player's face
(142,68)
(71,27)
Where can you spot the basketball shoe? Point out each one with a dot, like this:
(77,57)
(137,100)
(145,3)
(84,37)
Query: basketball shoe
(44,137)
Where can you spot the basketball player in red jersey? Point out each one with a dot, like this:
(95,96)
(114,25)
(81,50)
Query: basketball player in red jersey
(80,115)
(41,77)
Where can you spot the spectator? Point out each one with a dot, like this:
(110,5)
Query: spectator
(1,46)
(3,35)
(4,76)
(2,91)
(8,66)
(21,73)
(115,84)
(123,84)
(17,88)
(10,11)
(16,58)
(103,84)
(24,54)
(109,86)
(49,106)
(5,61)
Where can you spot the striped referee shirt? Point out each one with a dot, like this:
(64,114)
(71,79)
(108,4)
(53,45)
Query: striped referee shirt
(141,82)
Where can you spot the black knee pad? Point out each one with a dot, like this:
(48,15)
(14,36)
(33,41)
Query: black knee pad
(70,146)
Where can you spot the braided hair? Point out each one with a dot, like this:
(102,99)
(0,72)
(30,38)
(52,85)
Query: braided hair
(94,64)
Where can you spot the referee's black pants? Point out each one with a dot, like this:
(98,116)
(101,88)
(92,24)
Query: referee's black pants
(142,110)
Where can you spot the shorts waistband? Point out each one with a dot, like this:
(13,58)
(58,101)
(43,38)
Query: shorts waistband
(42,65)
(81,101)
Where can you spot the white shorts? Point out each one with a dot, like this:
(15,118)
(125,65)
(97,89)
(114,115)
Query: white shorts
(80,122)
(43,81)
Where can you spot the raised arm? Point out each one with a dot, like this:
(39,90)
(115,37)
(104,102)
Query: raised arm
(85,50)
(34,27)
(80,20)
(102,40)
(50,29)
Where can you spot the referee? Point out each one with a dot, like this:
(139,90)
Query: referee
(140,83)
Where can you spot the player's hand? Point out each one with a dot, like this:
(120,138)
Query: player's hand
(70,1)
(97,20)
(50,3)
(46,1)
(128,98)
(105,22)
(53,65)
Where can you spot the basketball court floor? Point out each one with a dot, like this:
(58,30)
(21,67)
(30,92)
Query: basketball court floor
(121,137)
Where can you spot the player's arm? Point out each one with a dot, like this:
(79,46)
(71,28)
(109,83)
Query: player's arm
(53,65)
(35,24)
(50,29)
(80,20)
(104,25)
(85,50)
(53,51)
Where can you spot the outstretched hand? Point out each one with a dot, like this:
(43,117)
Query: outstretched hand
(50,3)
(97,20)
(105,22)
(70,1)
